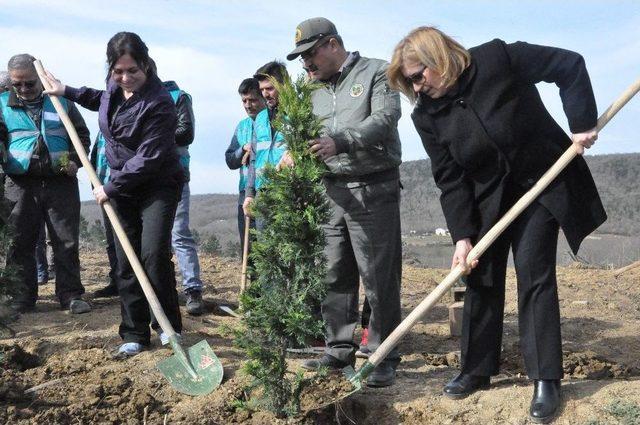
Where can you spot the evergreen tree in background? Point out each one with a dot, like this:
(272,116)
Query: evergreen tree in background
(288,261)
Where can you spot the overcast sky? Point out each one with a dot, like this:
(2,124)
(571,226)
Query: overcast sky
(208,47)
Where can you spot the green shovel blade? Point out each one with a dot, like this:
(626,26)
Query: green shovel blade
(356,378)
(199,375)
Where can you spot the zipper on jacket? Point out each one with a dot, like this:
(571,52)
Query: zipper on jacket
(333,112)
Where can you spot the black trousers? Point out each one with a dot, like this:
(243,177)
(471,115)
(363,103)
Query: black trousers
(147,220)
(56,201)
(534,239)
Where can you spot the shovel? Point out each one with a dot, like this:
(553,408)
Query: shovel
(196,371)
(245,254)
(403,328)
(243,275)
(621,270)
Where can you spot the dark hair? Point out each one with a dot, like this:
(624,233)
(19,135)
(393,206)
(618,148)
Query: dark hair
(21,61)
(249,85)
(129,43)
(275,69)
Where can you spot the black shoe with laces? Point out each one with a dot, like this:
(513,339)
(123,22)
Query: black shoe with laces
(194,304)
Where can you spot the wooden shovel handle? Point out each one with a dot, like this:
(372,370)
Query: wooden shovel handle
(625,269)
(245,254)
(403,328)
(154,303)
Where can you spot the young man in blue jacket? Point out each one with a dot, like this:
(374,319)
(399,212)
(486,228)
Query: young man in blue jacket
(239,150)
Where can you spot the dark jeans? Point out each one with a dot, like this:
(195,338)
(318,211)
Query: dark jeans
(111,250)
(533,237)
(363,241)
(147,220)
(54,200)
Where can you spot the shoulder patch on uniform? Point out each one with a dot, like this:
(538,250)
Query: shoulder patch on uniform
(356,90)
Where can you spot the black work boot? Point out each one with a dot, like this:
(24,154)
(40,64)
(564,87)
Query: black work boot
(383,375)
(464,385)
(328,362)
(195,305)
(108,291)
(545,401)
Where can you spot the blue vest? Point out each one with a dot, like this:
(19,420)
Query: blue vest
(183,151)
(244,135)
(23,135)
(99,158)
(269,148)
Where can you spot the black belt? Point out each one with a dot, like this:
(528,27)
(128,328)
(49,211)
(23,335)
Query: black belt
(377,177)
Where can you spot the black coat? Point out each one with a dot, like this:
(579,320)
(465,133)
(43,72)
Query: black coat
(490,138)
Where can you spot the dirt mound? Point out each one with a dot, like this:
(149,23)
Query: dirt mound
(13,357)
(58,368)
(588,365)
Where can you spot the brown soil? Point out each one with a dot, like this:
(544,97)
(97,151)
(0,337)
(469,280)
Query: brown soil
(69,359)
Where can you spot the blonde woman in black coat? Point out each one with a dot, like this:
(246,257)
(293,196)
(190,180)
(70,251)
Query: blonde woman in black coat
(490,138)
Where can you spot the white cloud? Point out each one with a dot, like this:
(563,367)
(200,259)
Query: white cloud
(208,47)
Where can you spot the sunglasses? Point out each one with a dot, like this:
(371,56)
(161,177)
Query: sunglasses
(312,52)
(26,84)
(416,77)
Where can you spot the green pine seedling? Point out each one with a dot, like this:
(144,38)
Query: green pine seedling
(289,266)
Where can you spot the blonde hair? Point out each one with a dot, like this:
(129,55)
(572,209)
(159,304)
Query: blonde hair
(432,48)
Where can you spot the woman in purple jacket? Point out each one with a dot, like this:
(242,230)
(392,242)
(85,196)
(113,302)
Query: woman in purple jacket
(138,120)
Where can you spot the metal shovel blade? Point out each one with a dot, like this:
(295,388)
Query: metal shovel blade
(356,378)
(229,311)
(194,372)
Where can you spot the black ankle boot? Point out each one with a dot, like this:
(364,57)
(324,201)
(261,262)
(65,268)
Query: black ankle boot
(464,385)
(545,401)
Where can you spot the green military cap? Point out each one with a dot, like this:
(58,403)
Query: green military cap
(309,33)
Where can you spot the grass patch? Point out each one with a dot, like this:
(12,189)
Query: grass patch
(627,413)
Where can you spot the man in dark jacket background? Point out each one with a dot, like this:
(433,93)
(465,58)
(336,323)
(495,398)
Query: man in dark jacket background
(184,246)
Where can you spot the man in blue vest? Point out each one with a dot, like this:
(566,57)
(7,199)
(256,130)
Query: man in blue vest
(99,161)
(238,152)
(182,240)
(269,143)
(5,83)
(41,184)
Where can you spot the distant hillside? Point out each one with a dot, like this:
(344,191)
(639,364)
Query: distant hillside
(616,177)
(210,214)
